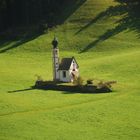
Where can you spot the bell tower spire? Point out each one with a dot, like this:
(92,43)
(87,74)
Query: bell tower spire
(55,59)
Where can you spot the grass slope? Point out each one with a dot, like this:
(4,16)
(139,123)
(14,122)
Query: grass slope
(103,51)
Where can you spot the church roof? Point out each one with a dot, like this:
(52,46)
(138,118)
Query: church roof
(66,63)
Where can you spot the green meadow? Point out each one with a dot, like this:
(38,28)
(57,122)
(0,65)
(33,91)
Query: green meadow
(105,39)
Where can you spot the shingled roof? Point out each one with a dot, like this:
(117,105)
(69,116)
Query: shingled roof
(66,63)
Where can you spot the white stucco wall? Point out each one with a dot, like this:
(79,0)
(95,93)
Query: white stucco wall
(76,68)
(65,79)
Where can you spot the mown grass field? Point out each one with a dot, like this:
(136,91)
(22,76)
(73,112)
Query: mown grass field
(103,51)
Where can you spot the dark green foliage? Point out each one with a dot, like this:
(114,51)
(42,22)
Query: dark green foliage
(133,6)
(89,82)
(27,12)
(78,81)
(107,84)
(51,85)
(132,2)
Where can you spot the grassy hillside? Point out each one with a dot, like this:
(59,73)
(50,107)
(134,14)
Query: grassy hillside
(94,25)
(104,38)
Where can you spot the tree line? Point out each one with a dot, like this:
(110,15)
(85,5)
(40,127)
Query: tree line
(25,12)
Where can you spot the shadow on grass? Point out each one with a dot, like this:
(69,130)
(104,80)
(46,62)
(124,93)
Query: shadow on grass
(130,20)
(74,89)
(21,90)
(66,89)
(28,36)
(50,85)
(66,10)
(109,33)
(109,12)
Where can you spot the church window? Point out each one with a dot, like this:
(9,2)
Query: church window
(64,74)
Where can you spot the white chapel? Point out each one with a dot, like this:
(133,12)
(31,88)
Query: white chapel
(65,70)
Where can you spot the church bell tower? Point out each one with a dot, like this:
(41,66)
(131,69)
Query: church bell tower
(55,58)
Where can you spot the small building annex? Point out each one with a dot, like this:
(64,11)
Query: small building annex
(65,70)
